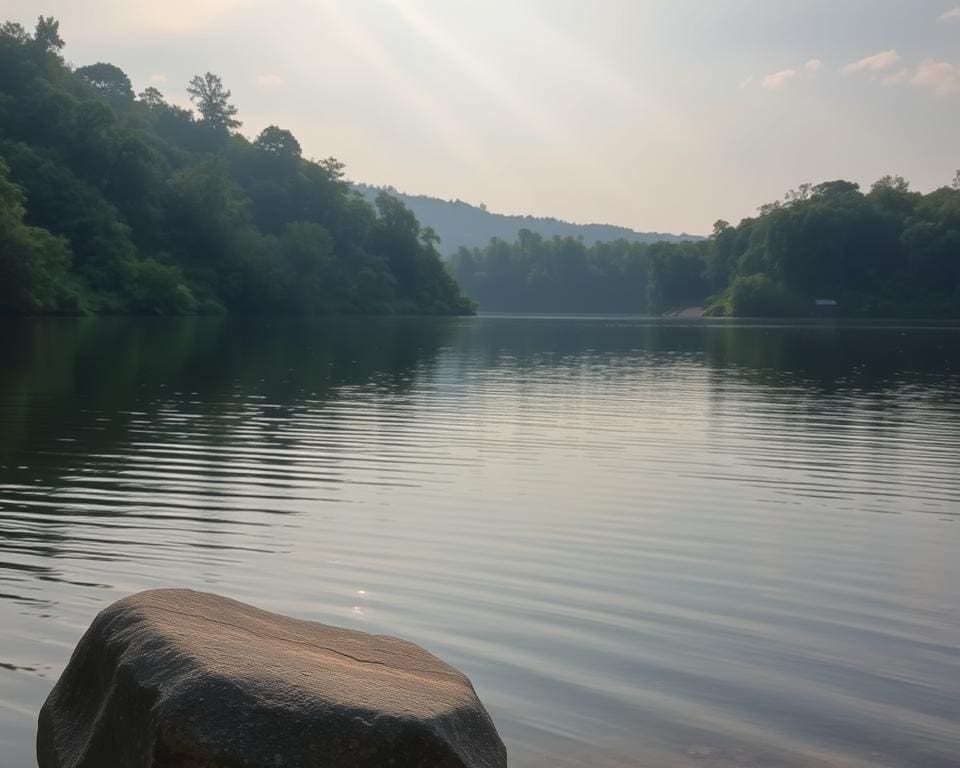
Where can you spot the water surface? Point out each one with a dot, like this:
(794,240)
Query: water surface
(648,543)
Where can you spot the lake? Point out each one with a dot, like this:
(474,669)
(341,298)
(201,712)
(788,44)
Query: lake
(648,543)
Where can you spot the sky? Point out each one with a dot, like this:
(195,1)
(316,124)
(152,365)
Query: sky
(659,115)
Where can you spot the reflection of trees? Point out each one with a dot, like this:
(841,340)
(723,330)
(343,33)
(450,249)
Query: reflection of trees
(113,384)
(840,407)
(100,381)
(565,341)
(853,388)
(834,358)
(73,372)
(826,357)
(55,369)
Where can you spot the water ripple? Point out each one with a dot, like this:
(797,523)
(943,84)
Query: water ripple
(647,544)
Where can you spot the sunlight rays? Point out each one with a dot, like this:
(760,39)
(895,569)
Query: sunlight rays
(431,112)
(481,73)
(533,118)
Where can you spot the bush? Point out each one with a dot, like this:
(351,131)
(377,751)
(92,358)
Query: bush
(760,296)
(159,289)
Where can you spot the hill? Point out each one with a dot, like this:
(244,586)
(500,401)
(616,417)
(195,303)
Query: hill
(113,202)
(459,224)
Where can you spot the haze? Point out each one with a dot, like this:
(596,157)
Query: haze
(655,115)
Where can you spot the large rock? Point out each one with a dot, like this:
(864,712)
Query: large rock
(181,679)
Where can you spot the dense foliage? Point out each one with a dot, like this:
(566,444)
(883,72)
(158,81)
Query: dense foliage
(889,252)
(116,203)
(113,202)
(563,274)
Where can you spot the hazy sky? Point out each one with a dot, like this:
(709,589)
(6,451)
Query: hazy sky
(655,114)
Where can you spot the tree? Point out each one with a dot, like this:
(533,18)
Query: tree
(14,30)
(719,257)
(800,194)
(835,188)
(111,81)
(34,265)
(152,97)
(47,34)
(759,296)
(307,253)
(278,141)
(114,206)
(159,289)
(892,183)
(892,196)
(212,101)
(956,181)
(429,237)
(333,167)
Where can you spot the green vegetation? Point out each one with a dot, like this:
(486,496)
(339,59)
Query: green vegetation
(118,203)
(562,274)
(113,203)
(887,253)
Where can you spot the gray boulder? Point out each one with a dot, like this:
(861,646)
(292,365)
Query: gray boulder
(182,679)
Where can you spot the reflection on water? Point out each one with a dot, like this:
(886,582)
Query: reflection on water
(648,543)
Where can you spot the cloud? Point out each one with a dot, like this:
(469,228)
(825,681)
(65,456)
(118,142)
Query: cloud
(158,78)
(940,76)
(952,15)
(269,80)
(747,82)
(777,80)
(876,63)
(897,78)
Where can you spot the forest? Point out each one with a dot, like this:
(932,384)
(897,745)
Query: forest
(889,252)
(113,202)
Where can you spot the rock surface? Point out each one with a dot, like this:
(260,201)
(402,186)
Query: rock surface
(181,679)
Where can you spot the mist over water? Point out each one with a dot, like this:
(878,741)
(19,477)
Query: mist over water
(648,543)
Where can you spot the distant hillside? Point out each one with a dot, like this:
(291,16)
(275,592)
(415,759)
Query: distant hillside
(460,224)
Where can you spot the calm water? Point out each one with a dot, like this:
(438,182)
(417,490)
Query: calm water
(649,544)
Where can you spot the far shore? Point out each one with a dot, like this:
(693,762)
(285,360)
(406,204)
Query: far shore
(686,312)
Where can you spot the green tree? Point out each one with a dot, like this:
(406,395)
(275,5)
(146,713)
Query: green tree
(429,237)
(152,97)
(34,264)
(896,184)
(278,142)
(159,289)
(46,36)
(212,101)
(111,81)
(307,251)
(15,31)
(761,296)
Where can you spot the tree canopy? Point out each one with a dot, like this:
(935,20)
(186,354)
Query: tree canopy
(109,80)
(212,101)
(888,252)
(116,203)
